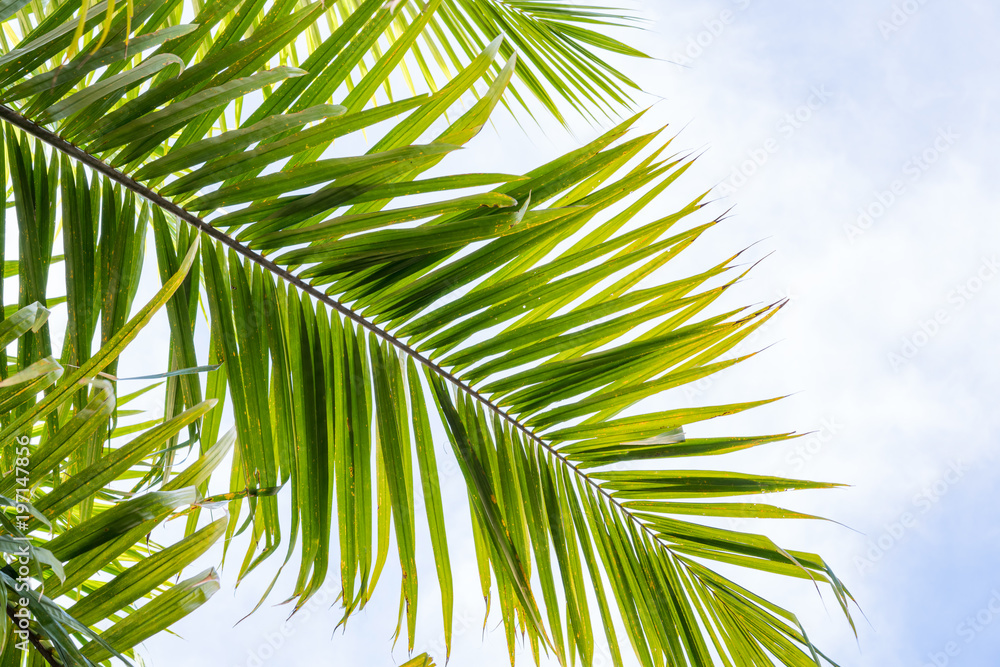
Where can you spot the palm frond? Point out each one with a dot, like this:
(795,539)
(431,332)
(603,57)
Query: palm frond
(74,562)
(359,304)
(563,47)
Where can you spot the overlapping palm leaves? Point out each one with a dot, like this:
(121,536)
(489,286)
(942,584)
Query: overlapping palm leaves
(354,302)
(75,536)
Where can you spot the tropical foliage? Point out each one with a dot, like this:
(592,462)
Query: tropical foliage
(351,309)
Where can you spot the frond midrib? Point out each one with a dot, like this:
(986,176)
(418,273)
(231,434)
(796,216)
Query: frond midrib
(64,146)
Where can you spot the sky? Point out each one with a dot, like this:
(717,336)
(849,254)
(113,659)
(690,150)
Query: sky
(854,143)
(855,140)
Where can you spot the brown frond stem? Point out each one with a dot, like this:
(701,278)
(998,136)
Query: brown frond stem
(57,142)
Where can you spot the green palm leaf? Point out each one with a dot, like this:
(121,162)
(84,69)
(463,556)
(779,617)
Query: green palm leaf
(341,289)
(70,540)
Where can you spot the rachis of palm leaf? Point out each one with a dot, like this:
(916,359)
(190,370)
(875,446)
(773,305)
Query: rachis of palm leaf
(364,305)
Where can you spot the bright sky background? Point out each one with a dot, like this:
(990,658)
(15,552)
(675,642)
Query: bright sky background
(808,115)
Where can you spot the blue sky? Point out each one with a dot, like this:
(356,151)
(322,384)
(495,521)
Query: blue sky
(856,141)
(890,332)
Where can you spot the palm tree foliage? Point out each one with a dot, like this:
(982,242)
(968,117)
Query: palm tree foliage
(360,305)
(85,540)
